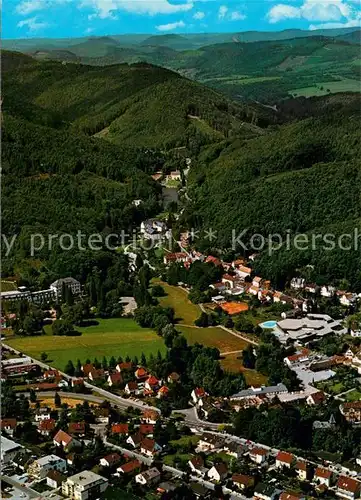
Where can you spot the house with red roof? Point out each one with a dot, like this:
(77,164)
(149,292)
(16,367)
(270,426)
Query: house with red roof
(87,368)
(125,366)
(149,447)
(110,460)
(218,472)
(163,392)
(51,374)
(146,429)
(151,383)
(196,464)
(243,481)
(96,374)
(129,467)
(63,439)
(197,394)
(122,429)
(323,476)
(348,487)
(135,439)
(115,379)
(258,455)
(8,425)
(315,399)
(46,427)
(77,382)
(229,281)
(150,416)
(301,470)
(141,373)
(287,495)
(131,387)
(284,459)
(77,428)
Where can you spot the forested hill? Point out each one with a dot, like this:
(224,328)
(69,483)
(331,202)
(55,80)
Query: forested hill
(302,177)
(139,104)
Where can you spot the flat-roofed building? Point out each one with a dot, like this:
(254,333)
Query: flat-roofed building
(84,485)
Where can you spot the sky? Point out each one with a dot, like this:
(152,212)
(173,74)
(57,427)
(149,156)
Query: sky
(77,18)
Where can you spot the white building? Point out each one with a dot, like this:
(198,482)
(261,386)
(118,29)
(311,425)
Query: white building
(84,485)
(9,450)
(149,477)
(40,467)
(71,283)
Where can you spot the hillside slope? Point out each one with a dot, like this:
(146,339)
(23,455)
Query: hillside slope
(300,178)
(138,104)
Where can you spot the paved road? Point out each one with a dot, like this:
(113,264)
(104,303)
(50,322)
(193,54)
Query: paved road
(23,489)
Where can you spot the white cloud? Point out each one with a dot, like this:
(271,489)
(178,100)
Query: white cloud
(283,11)
(199,15)
(313,10)
(33,24)
(222,12)
(26,7)
(107,8)
(170,26)
(237,16)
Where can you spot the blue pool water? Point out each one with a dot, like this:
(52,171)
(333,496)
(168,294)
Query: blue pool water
(269,324)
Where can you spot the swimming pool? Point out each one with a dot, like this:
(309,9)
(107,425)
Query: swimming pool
(269,324)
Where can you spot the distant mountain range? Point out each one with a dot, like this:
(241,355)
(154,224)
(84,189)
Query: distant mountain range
(251,66)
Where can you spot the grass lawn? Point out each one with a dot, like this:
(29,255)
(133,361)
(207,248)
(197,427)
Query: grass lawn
(111,337)
(213,337)
(232,364)
(344,85)
(185,440)
(170,459)
(185,311)
(354,395)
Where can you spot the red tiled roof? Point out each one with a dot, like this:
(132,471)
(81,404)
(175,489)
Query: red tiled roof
(150,414)
(284,457)
(243,479)
(147,444)
(130,466)
(47,425)
(152,380)
(62,436)
(199,392)
(324,473)
(8,422)
(87,368)
(197,461)
(120,429)
(141,372)
(348,484)
(132,386)
(289,496)
(76,428)
(77,381)
(116,378)
(301,465)
(259,451)
(164,390)
(146,429)
(112,459)
(125,366)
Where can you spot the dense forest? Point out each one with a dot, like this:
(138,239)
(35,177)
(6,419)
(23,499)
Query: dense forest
(302,177)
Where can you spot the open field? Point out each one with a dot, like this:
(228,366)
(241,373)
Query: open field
(111,337)
(234,365)
(71,402)
(7,285)
(344,85)
(213,337)
(185,311)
